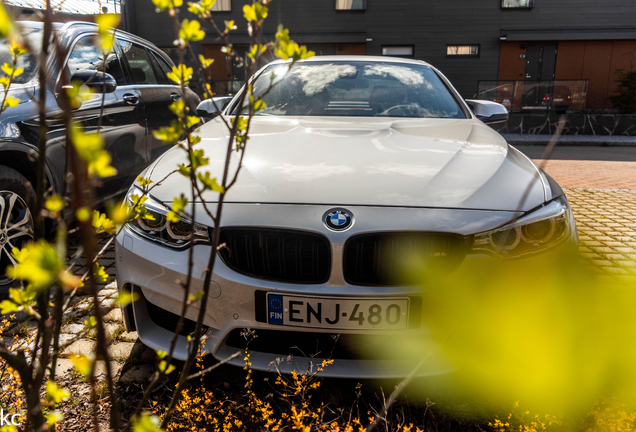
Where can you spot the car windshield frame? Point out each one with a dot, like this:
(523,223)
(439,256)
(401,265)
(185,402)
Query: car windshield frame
(382,89)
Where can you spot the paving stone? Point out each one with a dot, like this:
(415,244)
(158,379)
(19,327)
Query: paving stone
(108,292)
(74,328)
(129,336)
(108,303)
(63,367)
(80,347)
(66,338)
(112,329)
(603,249)
(100,369)
(614,256)
(121,350)
(114,316)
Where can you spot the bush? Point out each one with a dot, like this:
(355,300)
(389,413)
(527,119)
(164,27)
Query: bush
(624,97)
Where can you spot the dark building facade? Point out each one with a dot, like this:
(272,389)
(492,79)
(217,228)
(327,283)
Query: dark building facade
(509,43)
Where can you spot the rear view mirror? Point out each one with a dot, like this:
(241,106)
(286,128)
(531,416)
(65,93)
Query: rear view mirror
(487,111)
(98,82)
(211,108)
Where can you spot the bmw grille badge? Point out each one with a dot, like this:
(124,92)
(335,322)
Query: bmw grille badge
(338,219)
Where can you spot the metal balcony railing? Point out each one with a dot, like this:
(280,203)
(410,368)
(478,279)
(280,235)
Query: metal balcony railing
(535,95)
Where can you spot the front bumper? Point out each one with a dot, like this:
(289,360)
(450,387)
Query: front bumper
(157,273)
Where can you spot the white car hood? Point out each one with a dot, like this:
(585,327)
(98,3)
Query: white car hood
(366,161)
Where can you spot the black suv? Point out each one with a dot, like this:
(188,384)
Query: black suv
(138,93)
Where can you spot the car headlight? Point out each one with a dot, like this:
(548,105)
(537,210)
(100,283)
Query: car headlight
(536,231)
(173,234)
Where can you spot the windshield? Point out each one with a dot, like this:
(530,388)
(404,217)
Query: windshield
(367,89)
(28,61)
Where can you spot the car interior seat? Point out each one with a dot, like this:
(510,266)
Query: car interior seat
(383,98)
(139,76)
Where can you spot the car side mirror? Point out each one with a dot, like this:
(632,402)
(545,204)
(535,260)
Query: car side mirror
(98,82)
(487,111)
(211,108)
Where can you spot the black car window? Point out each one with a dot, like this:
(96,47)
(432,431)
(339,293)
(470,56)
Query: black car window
(162,69)
(87,56)
(140,67)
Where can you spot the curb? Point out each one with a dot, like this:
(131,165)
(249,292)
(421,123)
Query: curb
(573,140)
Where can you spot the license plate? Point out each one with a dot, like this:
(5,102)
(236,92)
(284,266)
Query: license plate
(338,313)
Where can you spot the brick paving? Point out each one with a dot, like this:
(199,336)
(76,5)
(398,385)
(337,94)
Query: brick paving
(606,221)
(593,174)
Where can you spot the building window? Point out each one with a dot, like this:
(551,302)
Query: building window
(222,6)
(517,4)
(398,51)
(351,4)
(462,50)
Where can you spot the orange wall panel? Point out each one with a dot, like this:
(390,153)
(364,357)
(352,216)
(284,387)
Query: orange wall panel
(351,49)
(570,57)
(623,57)
(511,67)
(596,68)
(221,69)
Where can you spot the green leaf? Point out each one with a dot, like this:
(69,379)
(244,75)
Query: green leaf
(229,26)
(7,307)
(202,8)
(165,368)
(198,159)
(205,62)
(191,121)
(102,224)
(179,203)
(55,393)
(191,31)
(166,5)
(11,102)
(180,74)
(184,170)
(177,107)
(16,49)
(100,272)
(196,297)
(89,147)
(143,182)
(90,322)
(83,364)
(105,24)
(255,12)
(54,417)
(173,217)
(37,263)
(169,134)
(210,183)
(54,204)
(6,23)
(147,423)
(83,214)
(125,298)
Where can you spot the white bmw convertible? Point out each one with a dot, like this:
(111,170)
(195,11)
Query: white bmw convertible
(357,165)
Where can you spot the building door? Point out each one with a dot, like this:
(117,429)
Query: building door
(540,67)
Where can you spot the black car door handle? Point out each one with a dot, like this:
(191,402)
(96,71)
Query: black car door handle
(175,96)
(131,99)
